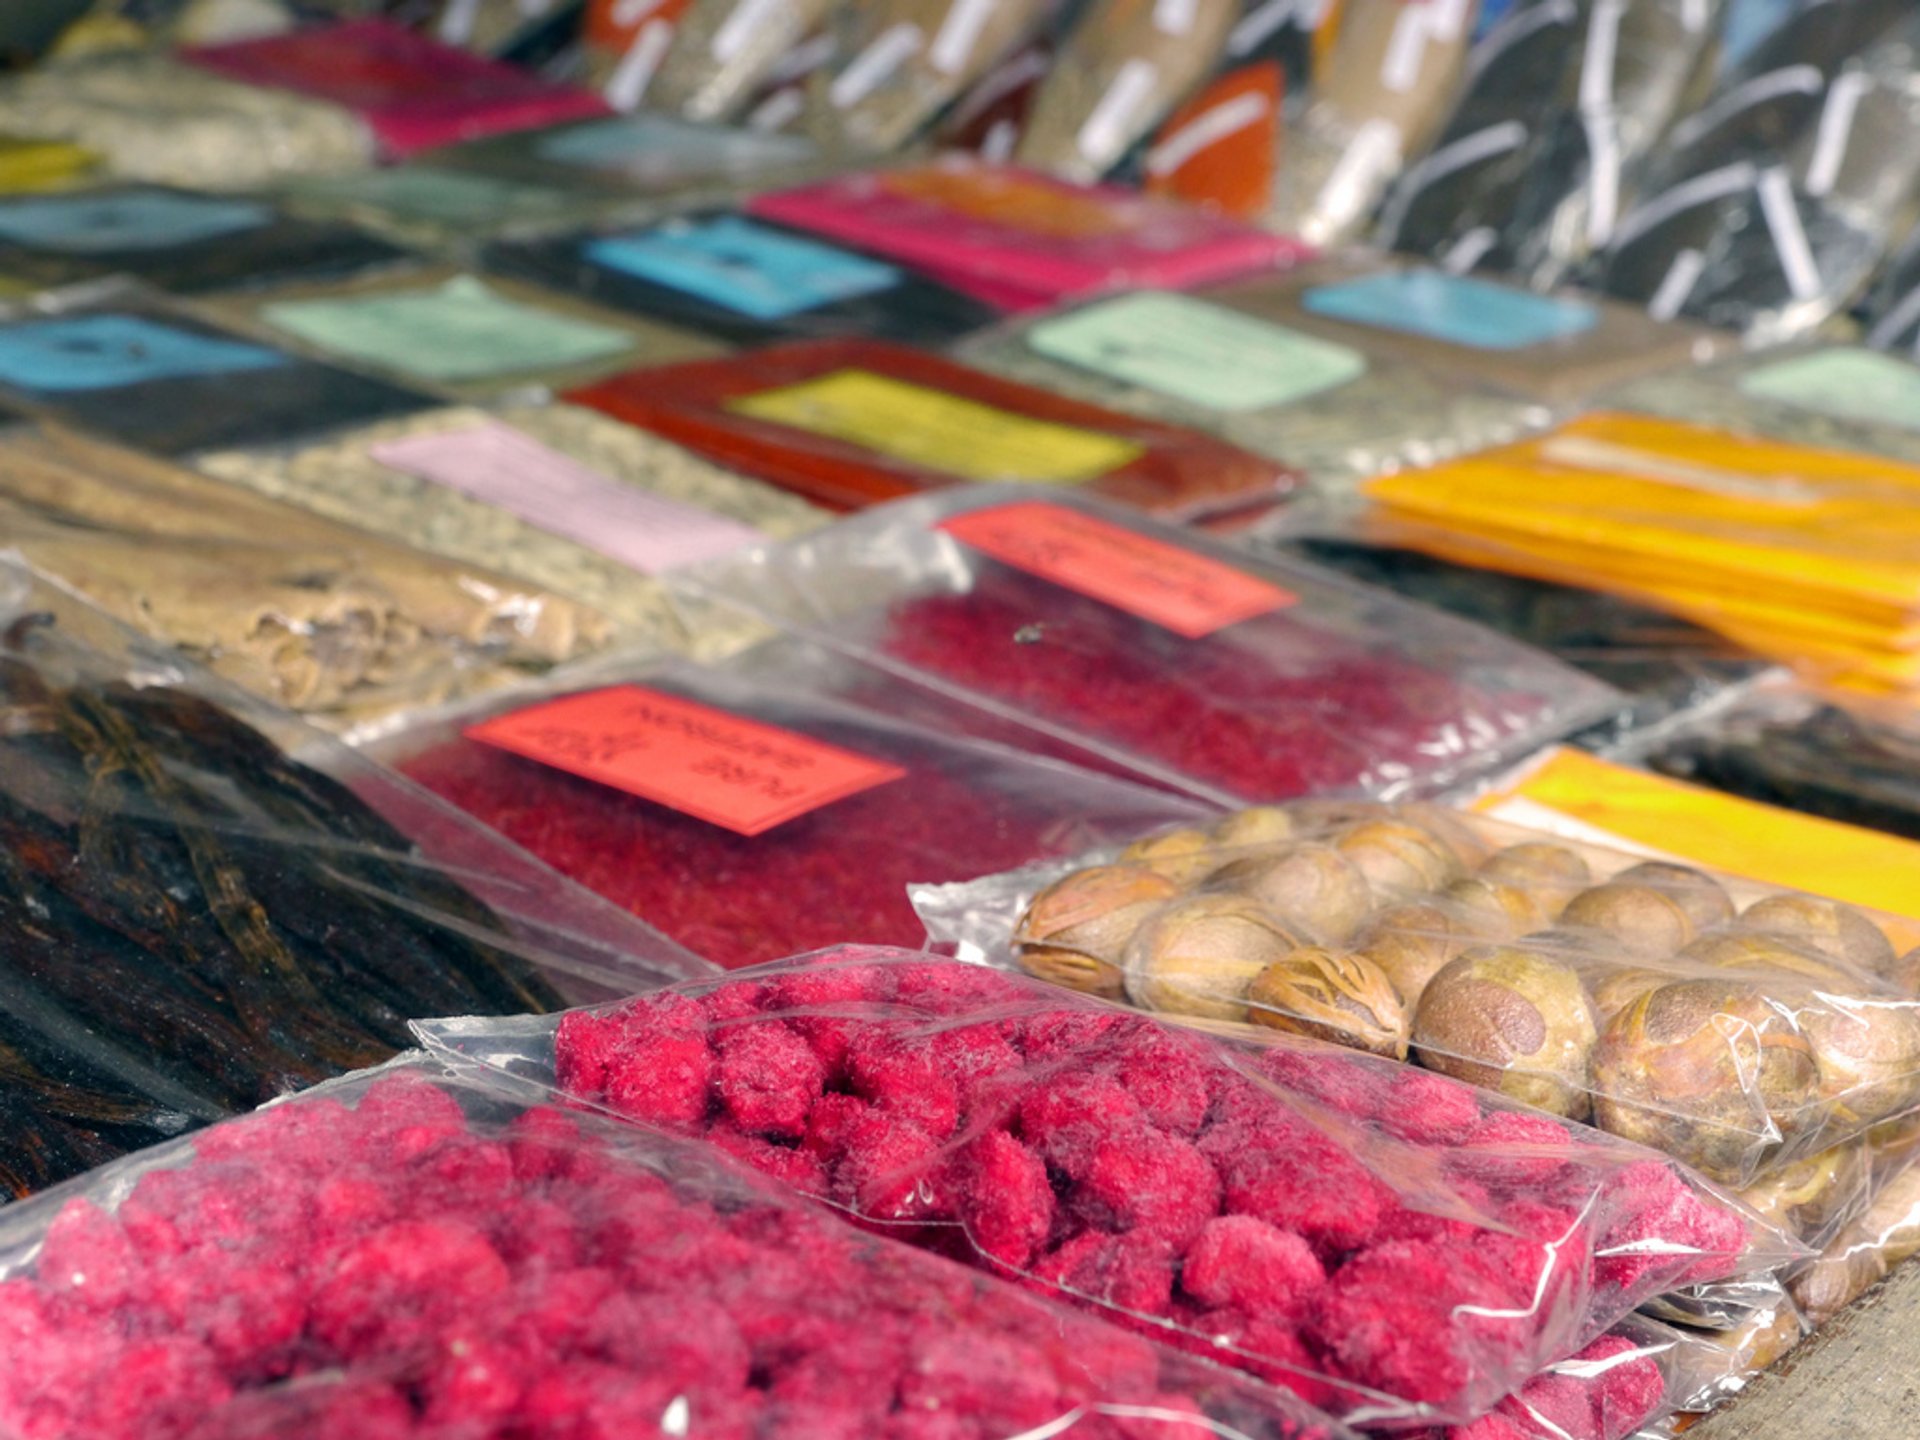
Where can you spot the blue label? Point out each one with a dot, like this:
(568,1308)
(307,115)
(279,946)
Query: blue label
(743,266)
(104,352)
(1445,307)
(659,149)
(99,223)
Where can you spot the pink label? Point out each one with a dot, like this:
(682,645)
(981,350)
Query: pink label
(496,463)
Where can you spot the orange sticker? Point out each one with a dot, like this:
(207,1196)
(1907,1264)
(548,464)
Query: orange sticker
(1176,589)
(1008,198)
(1222,148)
(739,774)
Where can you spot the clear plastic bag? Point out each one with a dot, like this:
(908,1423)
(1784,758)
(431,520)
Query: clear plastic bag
(1740,1027)
(1609,1391)
(440,208)
(1890,312)
(1170,655)
(196,921)
(724,51)
(431,1253)
(1307,1215)
(713,863)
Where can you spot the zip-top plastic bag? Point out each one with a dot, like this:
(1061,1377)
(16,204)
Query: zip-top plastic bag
(195,920)
(1736,1025)
(1158,651)
(1391,1246)
(774,804)
(427,1251)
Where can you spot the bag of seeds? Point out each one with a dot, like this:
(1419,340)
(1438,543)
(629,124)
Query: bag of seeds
(430,1252)
(1388,1244)
(1158,651)
(725,51)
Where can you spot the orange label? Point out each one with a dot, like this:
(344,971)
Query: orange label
(1003,198)
(739,774)
(1189,594)
(1222,147)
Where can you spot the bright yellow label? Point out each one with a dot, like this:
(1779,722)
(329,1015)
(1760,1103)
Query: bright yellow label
(938,431)
(1745,837)
(30,165)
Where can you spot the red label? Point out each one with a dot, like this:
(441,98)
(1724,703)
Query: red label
(1189,594)
(703,762)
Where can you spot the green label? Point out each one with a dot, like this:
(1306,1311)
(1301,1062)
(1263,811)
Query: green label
(1844,383)
(1203,354)
(457,331)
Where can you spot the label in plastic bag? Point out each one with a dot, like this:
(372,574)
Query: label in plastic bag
(99,223)
(941,432)
(1196,352)
(1844,383)
(461,330)
(1010,200)
(1452,309)
(1190,594)
(743,267)
(106,352)
(660,150)
(497,464)
(739,774)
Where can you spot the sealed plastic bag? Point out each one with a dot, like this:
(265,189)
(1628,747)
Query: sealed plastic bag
(765,807)
(412,92)
(724,50)
(850,422)
(746,281)
(430,1253)
(1890,313)
(1022,240)
(1167,654)
(1737,1026)
(196,922)
(560,497)
(1327,409)
(1387,1244)
(1608,1391)
(1118,73)
(438,208)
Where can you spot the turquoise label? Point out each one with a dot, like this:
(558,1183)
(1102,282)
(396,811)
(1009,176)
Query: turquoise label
(742,266)
(100,223)
(1451,308)
(105,352)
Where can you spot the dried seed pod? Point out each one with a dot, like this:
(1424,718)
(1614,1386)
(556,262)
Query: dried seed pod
(1313,888)
(1709,1070)
(1868,1054)
(1398,858)
(1639,918)
(1412,943)
(1340,998)
(1199,955)
(1615,989)
(1888,1234)
(1325,818)
(1703,898)
(1451,828)
(1551,874)
(1904,974)
(1839,931)
(1184,856)
(1770,958)
(1076,930)
(1804,1196)
(1494,910)
(1258,827)
(1513,1021)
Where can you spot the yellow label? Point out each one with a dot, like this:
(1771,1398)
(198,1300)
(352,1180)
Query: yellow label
(938,431)
(1582,797)
(30,165)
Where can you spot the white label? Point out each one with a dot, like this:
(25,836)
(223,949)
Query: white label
(457,21)
(635,71)
(777,111)
(1896,320)
(958,34)
(1603,48)
(874,66)
(1174,17)
(1499,139)
(1517,27)
(1603,176)
(1105,130)
(1782,214)
(736,32)
(1701,190)
(1206,129)
(1677,284)
(1788,80)
(1469,249)
(1836,127)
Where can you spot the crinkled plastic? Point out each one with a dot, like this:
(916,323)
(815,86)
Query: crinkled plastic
(1024,240)
(429,1253)
(324,618)
(1864,1253)
(1890,312)
(439,208)
(1117,74)
(193,921)
(1205,361)
(1159,651)
(1388,1244)
(1740,1027)
(746,281)
(725,50)
(851,422)
(1609,1391)
(413,92)
(663,843)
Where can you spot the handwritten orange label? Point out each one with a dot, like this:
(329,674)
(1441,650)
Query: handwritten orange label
(735,773)
(1176,589)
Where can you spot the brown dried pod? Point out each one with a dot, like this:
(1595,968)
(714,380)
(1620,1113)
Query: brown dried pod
(1198,955)
(1703,898)
(1551,874)
(1322,819)
(1862,1254)
(1709,1070)
(1452,828)
(1868,1053)
(1312,887)
(1493,910)
(1804,1196)
(1340,998)
(1513,1021)
(1184,856)
(1904,975)
(1614,989)
(1076,930)
(1770,959)
(1838,931)
(1412,943)
(1639,918)
(1398,858)
(1258,827)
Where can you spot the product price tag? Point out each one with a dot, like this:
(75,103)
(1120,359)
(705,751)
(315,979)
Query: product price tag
(1190,594)
(739,774)
(1844,383)
(106,352)
(1451,308)
(103,222)
(743,267)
